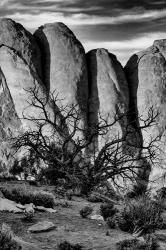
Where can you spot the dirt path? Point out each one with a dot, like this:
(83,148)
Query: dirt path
(70,226)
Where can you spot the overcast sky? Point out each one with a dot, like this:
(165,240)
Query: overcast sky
(121,26)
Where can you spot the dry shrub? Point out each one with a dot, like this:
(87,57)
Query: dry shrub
(24,196)
(86,211)
(6,239)
(140,215)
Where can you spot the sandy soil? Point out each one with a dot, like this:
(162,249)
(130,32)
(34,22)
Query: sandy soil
(70,226)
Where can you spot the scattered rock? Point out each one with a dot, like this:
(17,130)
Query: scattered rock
(50,210)
(40,208)
(20,206)
(96,217)
(29,212)
(10,206)
(44,209)
(43,226)
(29,207)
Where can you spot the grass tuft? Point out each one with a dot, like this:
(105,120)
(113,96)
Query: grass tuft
(139,216)
(6,239)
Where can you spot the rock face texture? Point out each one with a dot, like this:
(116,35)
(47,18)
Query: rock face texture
(54,61)
(9,121)
(14,36)
(108,89)
(64,65)
(20,61)
(146,75)
(19,80)
(20,70)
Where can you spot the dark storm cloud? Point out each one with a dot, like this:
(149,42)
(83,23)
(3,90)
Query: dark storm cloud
(92,7)
(123,26)
(118,32)
(105,7)
(96,8)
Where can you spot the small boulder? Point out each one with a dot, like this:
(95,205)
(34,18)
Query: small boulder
(50,210)
(43,226)
(29,212)
(44,209)
(29,208)
(20,206)
(10,206)
(96,217)
(40,208)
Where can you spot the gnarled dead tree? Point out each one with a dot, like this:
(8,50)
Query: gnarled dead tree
(55,138)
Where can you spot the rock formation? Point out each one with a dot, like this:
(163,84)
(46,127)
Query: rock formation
(108,89)
(54,61)
(20,61)
(9,122)
(20,67)
(14,36)
(146,75)
(64,66)
(19,81)
(16,79)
